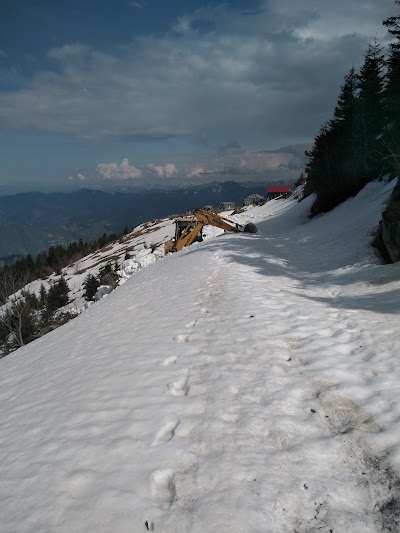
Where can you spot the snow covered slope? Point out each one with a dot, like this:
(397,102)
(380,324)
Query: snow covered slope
(134,251)
(247,384)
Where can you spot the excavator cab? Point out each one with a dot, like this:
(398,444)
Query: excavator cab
(187,231)
(184,225)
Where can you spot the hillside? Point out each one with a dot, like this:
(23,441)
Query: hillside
(31,222)
(246,384)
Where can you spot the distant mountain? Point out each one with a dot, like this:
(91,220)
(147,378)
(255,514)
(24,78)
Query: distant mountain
(31,222)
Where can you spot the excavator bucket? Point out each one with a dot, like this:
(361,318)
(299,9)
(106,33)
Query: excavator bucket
(250,228)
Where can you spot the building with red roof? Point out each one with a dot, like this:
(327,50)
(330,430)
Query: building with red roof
(275,191)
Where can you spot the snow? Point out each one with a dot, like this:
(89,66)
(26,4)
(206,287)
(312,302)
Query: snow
(247,384)
(137,250)
(102,291)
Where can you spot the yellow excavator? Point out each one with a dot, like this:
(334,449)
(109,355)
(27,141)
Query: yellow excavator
(190,229)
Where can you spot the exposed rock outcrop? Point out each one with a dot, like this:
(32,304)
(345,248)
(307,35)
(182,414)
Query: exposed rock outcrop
(387,239)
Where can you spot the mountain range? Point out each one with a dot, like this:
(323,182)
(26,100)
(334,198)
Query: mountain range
(31,222)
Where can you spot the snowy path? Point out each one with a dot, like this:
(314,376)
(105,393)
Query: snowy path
(271,423)
(248,384)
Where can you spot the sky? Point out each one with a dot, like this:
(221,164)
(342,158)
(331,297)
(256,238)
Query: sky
(131,92)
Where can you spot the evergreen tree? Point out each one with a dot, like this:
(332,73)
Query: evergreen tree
(330,169)
(370,116)
(42,270)
(392,98)
(57,296)
(42,296)
(30,264)
(32,300)
(90,285)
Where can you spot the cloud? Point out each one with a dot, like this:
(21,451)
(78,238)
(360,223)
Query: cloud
(230,147)
(3,53)
(235,163)
(165,171)
(270,76)
(123,171)
(79,177)
(183,25)
(250,165)
(138,4)
(195,172)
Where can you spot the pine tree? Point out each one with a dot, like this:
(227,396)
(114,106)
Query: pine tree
(330,169)
(90,285)
(30,264)
(370,115)
(42,296)
(57,296)
(32,300)
(392,98)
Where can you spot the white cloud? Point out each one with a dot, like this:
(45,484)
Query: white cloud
(165,171)
(325,21)
(3,53)
(249,165)
(195,172)
(77,178)
(240,165)
(123,171)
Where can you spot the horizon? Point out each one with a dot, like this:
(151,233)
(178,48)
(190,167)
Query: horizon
(133,188)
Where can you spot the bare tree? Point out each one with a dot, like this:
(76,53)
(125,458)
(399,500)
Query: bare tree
(15,318)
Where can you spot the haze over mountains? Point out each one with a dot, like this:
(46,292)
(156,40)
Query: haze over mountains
(31,222)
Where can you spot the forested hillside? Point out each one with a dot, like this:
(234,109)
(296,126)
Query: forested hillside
(361,142)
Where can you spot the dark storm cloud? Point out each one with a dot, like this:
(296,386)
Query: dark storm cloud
(231,146)
(266,75)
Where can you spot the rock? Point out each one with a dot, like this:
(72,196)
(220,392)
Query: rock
(387,239)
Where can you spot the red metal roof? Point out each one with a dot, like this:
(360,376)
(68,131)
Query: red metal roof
(278,188)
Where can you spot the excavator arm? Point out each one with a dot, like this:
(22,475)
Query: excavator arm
(208,217)
(187,230)
(188,236)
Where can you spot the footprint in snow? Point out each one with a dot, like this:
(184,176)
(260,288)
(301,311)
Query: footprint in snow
(180,387)
(162,488)
(181,338)
(171,360)
(167,431)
